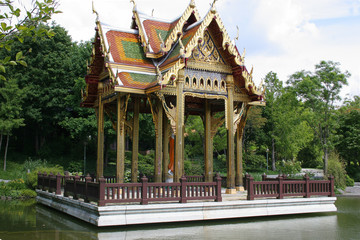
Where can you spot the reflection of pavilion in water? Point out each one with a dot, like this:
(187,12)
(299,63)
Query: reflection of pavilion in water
(319,226)
(170,69)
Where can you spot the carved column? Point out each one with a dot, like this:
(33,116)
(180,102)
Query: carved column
(208,143)
(158,142)
(120,137)
(100,135)
(230,184)
(179,142)
(239,161)
(166,136)
(135,141)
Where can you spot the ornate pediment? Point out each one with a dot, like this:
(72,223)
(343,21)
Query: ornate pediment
(206,51)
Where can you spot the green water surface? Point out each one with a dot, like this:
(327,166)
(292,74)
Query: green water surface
(28,220)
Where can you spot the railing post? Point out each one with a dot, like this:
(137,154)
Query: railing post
(43,185)
(332,186)
(263,177)
(183,189)
(250,187)
(101,200)
(281,187)
(218,188)
(58,184)
(76,179)
(144,192)
(38,180)
(87,180)
(307,186)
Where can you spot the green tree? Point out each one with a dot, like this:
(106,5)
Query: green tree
(348,133)
(18,23)
(10,108)
(319,92)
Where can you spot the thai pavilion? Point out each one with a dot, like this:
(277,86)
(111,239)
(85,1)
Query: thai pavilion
(171,69)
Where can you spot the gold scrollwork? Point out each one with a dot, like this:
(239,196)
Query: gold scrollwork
(169,111)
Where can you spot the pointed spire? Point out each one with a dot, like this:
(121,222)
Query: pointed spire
(94,11)
(213,6)
(133,2)
(192,3)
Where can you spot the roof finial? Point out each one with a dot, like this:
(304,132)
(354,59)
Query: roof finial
(192,3)
(243,55)
(133,2)
(238,32)
(213,6)
(94,11)
(152,12)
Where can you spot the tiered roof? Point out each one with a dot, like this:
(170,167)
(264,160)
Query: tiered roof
(154,50)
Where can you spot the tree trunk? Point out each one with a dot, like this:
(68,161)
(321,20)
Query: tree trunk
(0,141)
(6,148)
(326,156)
(273,154)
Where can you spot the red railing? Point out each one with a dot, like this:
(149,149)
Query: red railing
(281,187)
(144,192)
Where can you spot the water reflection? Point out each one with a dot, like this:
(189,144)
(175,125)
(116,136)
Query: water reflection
(31,221)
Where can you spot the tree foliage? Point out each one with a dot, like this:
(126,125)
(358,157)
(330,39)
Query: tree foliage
(18,23)
(319,92)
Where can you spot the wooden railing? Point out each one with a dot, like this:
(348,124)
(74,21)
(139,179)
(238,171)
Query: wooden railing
(144,192)
(281,187)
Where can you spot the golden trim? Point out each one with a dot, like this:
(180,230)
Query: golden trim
(169,111)
(131,68)
(214,67)
(129,90)
(178,29)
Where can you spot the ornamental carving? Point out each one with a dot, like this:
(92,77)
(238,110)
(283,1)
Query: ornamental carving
(206,51)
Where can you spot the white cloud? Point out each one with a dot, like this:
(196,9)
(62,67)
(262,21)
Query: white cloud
(283,36)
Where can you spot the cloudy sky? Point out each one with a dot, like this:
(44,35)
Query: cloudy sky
(283,36)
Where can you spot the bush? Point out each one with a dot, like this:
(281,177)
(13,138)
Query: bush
(289,167)
(27,193)
(336,168)
(31,179)
(254,162)
(17,184)
(349,181)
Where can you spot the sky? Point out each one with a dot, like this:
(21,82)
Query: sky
(283,36)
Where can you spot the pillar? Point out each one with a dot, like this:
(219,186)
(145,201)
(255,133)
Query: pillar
(179,141)
(230,184)
(100,135)
(158,142)
(135,141)
(120,139)
(166,136)
(239,160)
(208,144)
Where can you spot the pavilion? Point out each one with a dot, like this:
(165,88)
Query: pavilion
(171,69)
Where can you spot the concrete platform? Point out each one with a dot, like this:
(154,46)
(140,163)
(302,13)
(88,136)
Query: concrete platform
(231,207)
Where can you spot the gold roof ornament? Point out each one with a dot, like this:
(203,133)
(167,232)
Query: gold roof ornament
(192,3)
(133,2)
(94,11)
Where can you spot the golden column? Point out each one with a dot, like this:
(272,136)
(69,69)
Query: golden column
(100,135)
(166,136)
(158,142)
(120,148)
(135,141)
(208,144)
(230,183)
(239,160)
(179,142)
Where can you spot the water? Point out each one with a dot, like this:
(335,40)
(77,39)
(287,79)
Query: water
(28,220)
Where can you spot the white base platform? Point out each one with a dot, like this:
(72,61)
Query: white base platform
(118,215)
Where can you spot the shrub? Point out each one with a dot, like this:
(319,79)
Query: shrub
(289,167)
(31,179)
(349,181)
(336,168)
(27,193)
(254,162)
(17,184)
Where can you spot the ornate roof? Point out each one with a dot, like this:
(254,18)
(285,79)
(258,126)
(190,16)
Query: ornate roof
(154,50)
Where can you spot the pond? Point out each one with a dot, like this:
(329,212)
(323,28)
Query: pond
(28,220)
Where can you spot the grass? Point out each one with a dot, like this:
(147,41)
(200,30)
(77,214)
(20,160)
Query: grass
(13,171)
